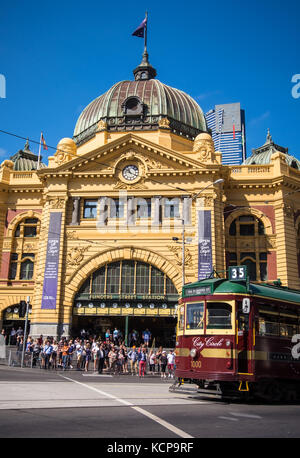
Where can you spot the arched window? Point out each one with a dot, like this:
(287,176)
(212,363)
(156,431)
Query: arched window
(25,237)
(127,277)
(246,244)
(26,271)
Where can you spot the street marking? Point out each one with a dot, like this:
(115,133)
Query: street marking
(162,422)
(228,418)
(96,375)
(246,415)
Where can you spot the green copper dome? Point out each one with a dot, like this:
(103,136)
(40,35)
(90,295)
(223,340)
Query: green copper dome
(25,160)
(140,105)
(262,155)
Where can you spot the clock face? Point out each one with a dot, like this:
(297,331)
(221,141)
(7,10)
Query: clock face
(130,172)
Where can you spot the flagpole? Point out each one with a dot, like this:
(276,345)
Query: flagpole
(39,156)
(146,26)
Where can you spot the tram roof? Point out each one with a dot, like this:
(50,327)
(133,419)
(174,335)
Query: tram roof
(219,285)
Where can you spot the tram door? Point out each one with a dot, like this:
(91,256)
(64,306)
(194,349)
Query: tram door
(244,337)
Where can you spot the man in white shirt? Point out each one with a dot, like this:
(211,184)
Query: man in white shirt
(171,363)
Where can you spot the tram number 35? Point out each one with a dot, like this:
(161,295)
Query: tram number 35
(196,364)
(238,273)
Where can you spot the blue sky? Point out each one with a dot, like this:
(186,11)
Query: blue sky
(58,56)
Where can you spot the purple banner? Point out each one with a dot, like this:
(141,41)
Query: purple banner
(205,266)
(52,258)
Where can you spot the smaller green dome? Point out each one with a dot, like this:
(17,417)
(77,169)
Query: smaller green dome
(25,160)
(262,155)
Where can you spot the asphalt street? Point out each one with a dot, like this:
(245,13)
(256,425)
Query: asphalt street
(39,404)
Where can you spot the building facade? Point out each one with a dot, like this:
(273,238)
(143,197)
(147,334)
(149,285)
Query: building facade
(94,237)
(227,125)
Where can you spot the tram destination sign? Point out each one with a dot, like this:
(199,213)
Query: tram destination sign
(198,291)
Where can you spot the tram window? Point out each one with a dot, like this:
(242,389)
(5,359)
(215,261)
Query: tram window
(288,323)
(268,320)
(181,318)
(218,315)
(195,315)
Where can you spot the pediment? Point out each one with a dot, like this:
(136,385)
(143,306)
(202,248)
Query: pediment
(108,160)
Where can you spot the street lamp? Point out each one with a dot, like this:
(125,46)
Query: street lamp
(219,181)
(25,331)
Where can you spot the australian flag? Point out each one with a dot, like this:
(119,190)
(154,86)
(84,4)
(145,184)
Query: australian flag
(140,31)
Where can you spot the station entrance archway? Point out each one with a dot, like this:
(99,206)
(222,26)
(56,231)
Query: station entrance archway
(128,295)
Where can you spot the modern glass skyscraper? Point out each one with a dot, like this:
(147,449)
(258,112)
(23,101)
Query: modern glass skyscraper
(227,124)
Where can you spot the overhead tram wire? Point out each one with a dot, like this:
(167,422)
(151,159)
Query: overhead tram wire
(95,161)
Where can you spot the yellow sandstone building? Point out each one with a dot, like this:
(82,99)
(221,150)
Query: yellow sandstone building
(97,237)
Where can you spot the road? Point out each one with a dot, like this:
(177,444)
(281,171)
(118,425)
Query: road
(38,404)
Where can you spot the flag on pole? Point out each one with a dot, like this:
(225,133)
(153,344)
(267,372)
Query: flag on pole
(43,141)
(140,31)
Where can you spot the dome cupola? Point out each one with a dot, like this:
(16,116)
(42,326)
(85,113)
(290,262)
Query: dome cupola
(140,105)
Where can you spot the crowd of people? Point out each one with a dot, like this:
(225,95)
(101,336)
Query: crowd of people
(103,355)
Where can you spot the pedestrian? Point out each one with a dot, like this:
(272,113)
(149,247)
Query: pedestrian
(48,349)
(70,353)
(20,332)
(78,351)
(112,356)
(13,336)
(54,355)
(146,337)
(95,350)
(35,352)
(133,336)
(158,359)
(65,355)
(116,335)
(142,358)
(101,358)
(107,336)
(163,364)
(88,357)
(171,363)
(133,359)
(152,361)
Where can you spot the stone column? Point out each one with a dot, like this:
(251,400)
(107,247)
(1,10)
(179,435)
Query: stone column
(75,213)
(157,211)
(186,209)
(130,211)
(102,202)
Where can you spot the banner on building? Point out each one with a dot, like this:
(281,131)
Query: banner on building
(205,266)
(52,259)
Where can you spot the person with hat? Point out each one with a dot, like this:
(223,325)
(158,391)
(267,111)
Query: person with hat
(133,358)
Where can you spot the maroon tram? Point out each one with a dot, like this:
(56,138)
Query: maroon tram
(237,338)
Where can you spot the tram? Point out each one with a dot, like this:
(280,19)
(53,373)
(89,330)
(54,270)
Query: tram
(237,339)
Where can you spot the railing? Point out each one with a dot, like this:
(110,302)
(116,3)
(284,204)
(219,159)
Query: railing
(36,361)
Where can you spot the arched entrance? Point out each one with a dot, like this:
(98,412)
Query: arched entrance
(13,324)
(127,294)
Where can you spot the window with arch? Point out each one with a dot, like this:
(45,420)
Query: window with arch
(128,277)
(247,245)
(24,238)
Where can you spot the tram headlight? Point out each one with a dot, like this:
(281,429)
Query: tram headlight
(193,352)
